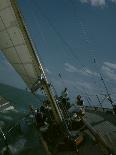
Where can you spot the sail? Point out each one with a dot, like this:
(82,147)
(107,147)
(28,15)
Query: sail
(16,44)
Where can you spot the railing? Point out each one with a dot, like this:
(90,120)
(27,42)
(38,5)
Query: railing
(99,109)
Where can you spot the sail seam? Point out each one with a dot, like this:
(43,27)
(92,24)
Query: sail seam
(9,27)
(15,48)
(5,8)
(16,45)
(27,38)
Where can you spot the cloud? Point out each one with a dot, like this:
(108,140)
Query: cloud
(114,1)
(84,84)
(98,3)
(94,2)
(110,70)
(76,85)
(110,65)
(70,68)
(91,73)
(84,1)
(84,71)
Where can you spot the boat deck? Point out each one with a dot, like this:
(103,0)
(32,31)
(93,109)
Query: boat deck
(31,142)
(105,130)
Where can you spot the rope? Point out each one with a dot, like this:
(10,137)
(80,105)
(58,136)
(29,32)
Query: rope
(70,50)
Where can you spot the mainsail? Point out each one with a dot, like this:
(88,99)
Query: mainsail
(16,45)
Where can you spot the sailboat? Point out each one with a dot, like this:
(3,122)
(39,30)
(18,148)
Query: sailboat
(17,46)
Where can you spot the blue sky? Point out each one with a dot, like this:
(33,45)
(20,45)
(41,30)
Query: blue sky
(76,38)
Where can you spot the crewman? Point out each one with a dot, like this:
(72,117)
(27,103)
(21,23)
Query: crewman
(79,101)
(39,118)
(64,93)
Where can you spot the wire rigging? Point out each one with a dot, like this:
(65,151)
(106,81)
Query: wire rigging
(62,39)
(70,49)
(88,41)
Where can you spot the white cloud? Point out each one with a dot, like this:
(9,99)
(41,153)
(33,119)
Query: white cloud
(84,1)
(91,73)
(95,2)
(98,3)
(83,84)
(72,69)
(110,70)
(110,65)
(114,1)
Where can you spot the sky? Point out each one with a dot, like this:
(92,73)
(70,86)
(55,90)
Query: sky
(76,38)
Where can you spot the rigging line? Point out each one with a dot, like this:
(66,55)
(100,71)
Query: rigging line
(100,103)
(88,97)
(85,94)
(44,40)
(42,36)
(60,76)
(109,97)
(84,31)
(64,41)
(101,78)
(96,80)
(88,102)
(84,28)
(40,31)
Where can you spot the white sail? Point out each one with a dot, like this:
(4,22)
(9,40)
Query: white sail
(16,45)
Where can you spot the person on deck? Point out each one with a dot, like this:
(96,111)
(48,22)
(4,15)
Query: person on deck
(114,109)
(80,104)
(79,101)
(39,118)
(65,99)
(47,111)
(64,93)
(31,109)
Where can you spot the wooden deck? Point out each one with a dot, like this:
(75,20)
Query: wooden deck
(105,130)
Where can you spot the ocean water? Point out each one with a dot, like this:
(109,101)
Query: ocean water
(20,98)
(22,136)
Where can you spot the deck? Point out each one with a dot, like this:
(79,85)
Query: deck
(101,124)
(103,128)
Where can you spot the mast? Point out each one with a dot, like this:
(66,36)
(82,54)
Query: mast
(17,46)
